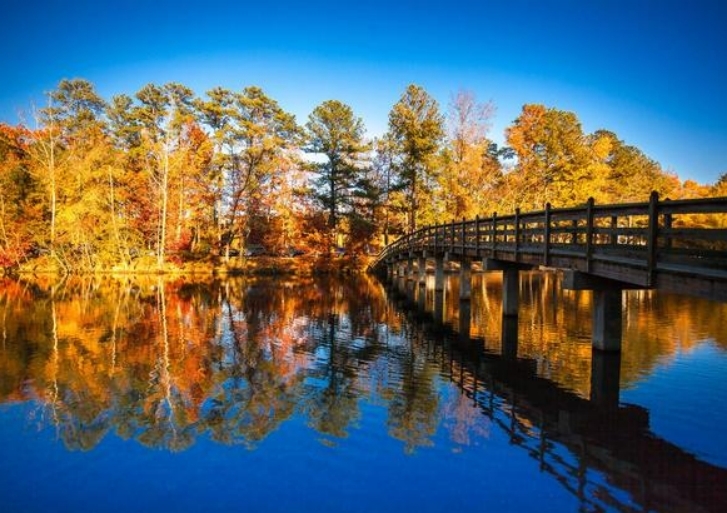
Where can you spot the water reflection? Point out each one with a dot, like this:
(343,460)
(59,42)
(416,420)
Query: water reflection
(168,362)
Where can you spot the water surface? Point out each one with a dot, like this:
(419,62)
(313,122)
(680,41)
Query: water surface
(345,395)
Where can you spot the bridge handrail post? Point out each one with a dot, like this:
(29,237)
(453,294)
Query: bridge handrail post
(477,234)
(493,242)
(453,237)
(614,230)
(651,237)
(517,233)
(546,235)
(464,236)
(589,233)
(667,228)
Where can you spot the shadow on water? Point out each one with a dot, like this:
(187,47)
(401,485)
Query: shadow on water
(166,363)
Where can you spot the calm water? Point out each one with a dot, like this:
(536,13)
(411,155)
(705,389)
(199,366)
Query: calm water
(345,395)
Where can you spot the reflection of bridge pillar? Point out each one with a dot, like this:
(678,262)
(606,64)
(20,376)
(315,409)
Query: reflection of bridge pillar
(439,273)
(607,320)
(465,279)
(509,336)
(410,286)
(439,306)
(401,284)
(510,291)
(422,296)
(465,319)
(605,378)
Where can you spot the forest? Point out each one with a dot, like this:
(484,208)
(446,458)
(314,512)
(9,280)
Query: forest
(165,176)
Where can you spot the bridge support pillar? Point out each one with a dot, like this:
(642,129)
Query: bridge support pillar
(410,269)
(510,282)
(439,273)
(607,304)
(422,296)
(465,279)
(422,269)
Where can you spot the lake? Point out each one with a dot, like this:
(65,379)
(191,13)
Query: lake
(348,395)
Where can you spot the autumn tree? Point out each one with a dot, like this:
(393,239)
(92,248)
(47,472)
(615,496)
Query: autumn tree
(337,136)
(556,162)
(471,170)
(383,178)
(130,197)
(416,129)
(70,149)
(20,215)
(632,175)
(260,138)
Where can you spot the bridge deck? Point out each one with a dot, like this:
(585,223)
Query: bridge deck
(671,245)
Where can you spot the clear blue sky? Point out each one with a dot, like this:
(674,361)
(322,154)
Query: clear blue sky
(653,71)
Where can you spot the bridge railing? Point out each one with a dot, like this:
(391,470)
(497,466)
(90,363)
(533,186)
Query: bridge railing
(688,233)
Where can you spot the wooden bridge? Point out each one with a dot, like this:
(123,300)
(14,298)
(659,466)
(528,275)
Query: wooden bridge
(678,246)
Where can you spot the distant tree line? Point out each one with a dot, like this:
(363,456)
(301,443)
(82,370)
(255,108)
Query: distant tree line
(169,176)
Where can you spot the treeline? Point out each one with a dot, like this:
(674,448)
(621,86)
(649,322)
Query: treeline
(166,175)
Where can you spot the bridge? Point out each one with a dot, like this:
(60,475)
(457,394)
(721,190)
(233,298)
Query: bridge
(677,246)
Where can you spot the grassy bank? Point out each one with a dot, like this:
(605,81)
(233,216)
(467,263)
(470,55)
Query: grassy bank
(305,265)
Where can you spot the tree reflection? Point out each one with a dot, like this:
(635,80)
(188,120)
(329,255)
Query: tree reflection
(165,362)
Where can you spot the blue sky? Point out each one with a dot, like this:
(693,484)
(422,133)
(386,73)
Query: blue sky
(652,71)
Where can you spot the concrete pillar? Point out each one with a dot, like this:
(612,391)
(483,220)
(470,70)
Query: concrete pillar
(422,296)
(410,269)
(510,291)
(465,280)
(439,273)
(509,337)
(607,320)
(465,320)
(422,269)
(605,378)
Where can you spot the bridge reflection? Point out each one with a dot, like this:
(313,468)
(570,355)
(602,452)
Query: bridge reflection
(589,445)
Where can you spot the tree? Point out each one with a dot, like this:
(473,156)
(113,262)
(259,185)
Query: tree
(416,129)
(632,174)
(20,215)
(335,133)
(216,113)
(383,180)
(556,162)
(163,113)
(471,170)
(260,140)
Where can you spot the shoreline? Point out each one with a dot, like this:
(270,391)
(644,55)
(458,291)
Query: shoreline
(250,266)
